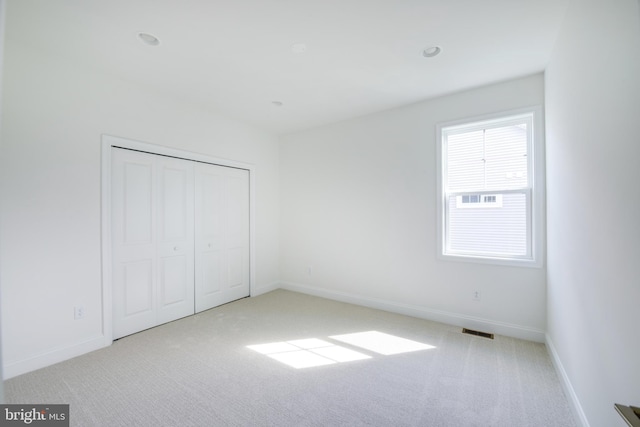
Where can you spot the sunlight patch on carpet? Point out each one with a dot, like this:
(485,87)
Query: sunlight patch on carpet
(381,343)
(309,352)
(306,353)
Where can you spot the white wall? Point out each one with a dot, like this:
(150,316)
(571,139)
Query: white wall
(358,205)
(593,173)
(2,16)
(54,115)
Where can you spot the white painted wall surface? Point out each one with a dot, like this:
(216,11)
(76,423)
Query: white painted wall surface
(358,206)
(2,16)
(593,172)
(54,115)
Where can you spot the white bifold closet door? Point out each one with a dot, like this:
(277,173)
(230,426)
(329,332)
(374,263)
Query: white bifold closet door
(152,240)
(180,238)
(222,235)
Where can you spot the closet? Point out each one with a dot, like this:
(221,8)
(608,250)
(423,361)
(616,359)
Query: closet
(179,238)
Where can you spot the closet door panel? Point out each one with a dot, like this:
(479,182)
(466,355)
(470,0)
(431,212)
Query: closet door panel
(211,270)
(174,282)
(235,267)
(176,196)
(237,233)
(222,235)
(175,239)
(133,242)
(209,222)
(137,207)
(138,287)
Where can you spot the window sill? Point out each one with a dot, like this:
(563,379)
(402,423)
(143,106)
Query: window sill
(509,262)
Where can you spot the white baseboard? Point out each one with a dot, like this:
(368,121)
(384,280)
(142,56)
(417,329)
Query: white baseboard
(456,319)
(572,397)
(264,289)
(56,355)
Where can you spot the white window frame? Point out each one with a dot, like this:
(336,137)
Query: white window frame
(534,193)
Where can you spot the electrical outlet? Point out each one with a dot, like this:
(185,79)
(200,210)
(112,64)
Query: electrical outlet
(476,296)
(78,312)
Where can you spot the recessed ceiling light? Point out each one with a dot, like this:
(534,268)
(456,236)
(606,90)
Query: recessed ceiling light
(149,39)
(277,103)
(298,48)
(432,51)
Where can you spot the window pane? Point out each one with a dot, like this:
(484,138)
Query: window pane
(506,157)
(465,165)
(487,159)
(500,231)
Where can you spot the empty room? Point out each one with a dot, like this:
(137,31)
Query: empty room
(320,213)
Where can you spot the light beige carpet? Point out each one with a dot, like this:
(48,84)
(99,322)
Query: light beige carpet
(365,367)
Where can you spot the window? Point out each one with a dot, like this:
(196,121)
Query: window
(490,189)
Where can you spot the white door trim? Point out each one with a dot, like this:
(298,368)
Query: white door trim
(108,142)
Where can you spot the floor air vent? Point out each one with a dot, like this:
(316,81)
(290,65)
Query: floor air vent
(477,333)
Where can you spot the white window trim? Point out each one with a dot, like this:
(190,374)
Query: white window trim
(537,197)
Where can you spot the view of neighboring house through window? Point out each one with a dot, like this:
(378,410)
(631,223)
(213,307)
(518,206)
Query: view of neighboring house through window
(487,189)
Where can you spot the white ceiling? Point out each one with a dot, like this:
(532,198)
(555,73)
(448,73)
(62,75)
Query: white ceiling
(235,57)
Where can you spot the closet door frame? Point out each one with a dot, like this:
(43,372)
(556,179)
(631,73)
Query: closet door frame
(108,143)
